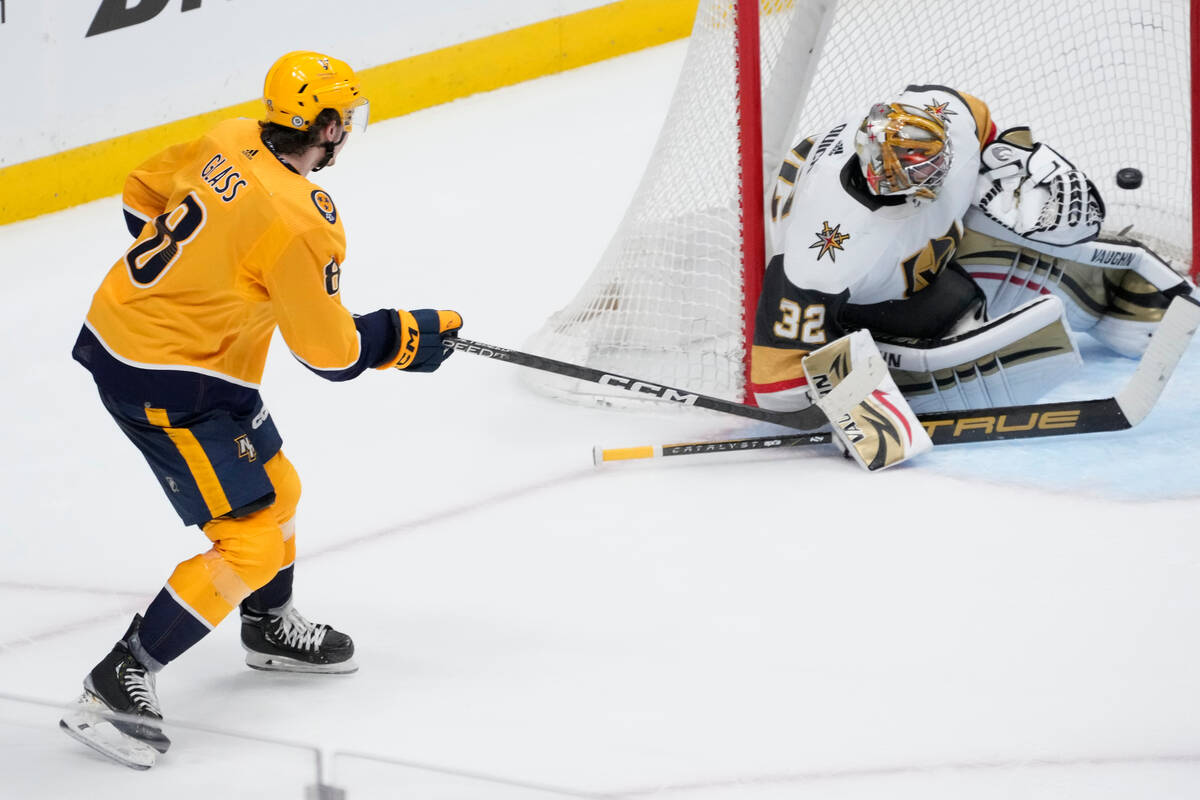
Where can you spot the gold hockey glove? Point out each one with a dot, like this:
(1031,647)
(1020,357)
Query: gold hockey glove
(419,337)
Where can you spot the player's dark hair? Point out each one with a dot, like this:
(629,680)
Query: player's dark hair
(289,141)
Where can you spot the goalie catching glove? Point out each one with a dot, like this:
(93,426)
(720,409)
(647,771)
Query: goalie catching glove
(419,337)
(1036,192)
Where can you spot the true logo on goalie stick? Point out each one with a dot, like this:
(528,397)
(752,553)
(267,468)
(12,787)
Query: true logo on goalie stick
(828,240)
(966,428)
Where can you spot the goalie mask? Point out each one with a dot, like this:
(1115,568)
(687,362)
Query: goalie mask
(903,150)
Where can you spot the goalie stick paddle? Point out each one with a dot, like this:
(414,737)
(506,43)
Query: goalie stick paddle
(1127,408)
(1123,411)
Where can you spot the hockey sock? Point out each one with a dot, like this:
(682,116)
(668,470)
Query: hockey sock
(275,595)
(168,629)
(247,553)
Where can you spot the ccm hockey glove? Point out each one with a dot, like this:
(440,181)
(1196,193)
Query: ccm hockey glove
(419,339)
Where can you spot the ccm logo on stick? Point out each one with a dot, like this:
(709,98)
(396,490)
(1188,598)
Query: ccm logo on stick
(641,387)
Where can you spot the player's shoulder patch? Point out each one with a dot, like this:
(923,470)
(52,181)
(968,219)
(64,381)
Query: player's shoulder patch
(829,240)
(832,247)
(324,204)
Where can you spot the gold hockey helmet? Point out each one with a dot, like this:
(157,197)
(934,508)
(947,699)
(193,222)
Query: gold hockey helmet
(302,83)
(903,150)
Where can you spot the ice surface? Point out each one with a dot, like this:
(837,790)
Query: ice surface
(1008,620)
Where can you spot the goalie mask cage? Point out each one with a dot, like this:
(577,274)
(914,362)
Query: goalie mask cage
(1107,83)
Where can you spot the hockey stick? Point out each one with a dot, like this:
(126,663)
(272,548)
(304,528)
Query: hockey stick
(601,455)
(857,385)
(1129,407)
(1123,411)
(1126,409)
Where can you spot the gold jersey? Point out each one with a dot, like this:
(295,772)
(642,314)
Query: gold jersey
(234,242)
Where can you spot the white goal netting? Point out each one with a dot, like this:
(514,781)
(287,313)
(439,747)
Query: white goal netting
(1105,82)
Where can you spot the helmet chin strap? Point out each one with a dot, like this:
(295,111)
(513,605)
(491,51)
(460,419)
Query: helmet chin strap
(329,148)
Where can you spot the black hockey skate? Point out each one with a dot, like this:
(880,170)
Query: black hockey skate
(287,642)
(122,685)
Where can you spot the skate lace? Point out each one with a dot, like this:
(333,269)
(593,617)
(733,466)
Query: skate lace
(139,683)
(298,632)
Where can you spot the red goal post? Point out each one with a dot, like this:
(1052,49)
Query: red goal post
(673,297)
(1194,70)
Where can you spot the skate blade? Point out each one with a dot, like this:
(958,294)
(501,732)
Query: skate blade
(84,722)
(285,664)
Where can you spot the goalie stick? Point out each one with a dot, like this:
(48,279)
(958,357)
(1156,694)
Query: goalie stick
(1122,411)
(1129,407)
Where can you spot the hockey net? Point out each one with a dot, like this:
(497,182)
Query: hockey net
(1106,83)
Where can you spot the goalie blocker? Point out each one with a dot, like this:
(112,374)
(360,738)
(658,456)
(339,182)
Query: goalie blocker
(878,430)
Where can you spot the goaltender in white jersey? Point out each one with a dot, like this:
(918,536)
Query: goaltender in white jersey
(867,218)
(838,232)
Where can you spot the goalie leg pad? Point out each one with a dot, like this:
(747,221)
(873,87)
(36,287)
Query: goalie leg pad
(1012,360)
(876,427)
(1011,275)
(1126,337)
(1135,308)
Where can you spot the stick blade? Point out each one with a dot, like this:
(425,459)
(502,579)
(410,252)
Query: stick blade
(1167,346)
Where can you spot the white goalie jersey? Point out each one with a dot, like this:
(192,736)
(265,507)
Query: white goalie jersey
(835,243)
(834,238)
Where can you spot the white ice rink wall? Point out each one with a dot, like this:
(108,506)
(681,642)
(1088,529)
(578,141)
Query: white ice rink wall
(101,84)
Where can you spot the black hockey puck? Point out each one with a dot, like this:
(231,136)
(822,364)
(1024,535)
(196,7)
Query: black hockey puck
(1129,178)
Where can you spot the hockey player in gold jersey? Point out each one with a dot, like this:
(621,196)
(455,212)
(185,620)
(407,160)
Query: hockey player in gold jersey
(232,241)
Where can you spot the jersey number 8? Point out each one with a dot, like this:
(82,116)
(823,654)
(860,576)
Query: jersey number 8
(149,258)
(810,331)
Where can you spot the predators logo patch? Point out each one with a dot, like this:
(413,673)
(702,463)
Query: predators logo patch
(245,448)
(324,204)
